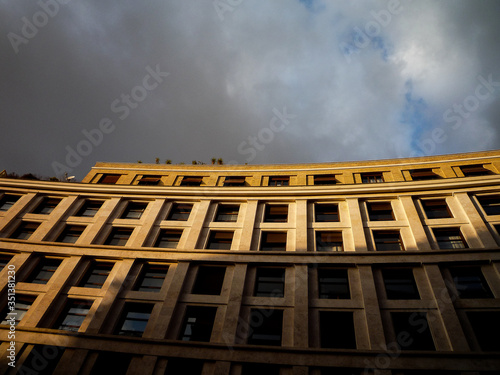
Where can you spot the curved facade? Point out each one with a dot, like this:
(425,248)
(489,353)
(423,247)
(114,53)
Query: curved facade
(377,267)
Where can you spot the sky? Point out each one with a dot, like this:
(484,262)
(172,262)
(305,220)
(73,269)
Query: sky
(248,81)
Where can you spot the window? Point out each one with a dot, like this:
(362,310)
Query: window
(325,179)
(89,208)
(234,181)
(372,178)
(269,332)
(423,174)
(46,206)
(273,241)
(220,240)
(180,211)
(184,366)
(134,319)
(269,282)
(486,328)
(151,278)
(380,211)
(329,241)
(73,315)
(42,360)
(227,212)
(111,363)
(21,307)
(412,331)
(436,208)
(134,210)
(326,212)
(198,323)
(449,238)
(7,201)
(71,233)
(279,180)
(475,170)
(4,260)
(191,181)
(168,238)
(490,204)
(209,280)
(43,270)
(337,329)
(386,240)
(109,178)
(400,283)
(275,213)
(24,230)
(333,283)
(96,275)
(118,236)
(470,283)
(149,180)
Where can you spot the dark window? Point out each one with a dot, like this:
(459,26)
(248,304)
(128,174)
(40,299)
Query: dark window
(89,208)
(198,323)
(109,179)
(209,280)
(71,233)
(134,319)
(275,213)
(134,210)
(337,329)
(21,307)
(180,211)
(273,241)
(486,328)
(227,212)
(191,181)
(269,282)
(151,278)
(47,355)
(46,206)
(490,204)
(234,181)
(96,275)
(380,211)
(372,178)
(111,363)
(168,238)
(326,212)
(436,209)
(475,170)
(43,271)
(333,283)
(73,315)
(470,282)
(118,236)
(449,238)
(4,260)
(325,179)
(149,180)
(259,368)
(386,240)
(24,230)
(412,331)
(184,366)
(7,201)
(329,241)
(279,180)
(220,240)
(423,174)
(270,329)
(400,283)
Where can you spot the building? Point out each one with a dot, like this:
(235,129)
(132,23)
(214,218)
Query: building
(387,267)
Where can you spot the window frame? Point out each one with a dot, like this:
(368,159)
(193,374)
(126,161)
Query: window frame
(264,240)
(323,287)
(149,268)
(325,179)
(372,177)
(45,265)
(267,322)
(204,280)
(279,181)
(191,181)
(24,228)
(46,205)
(116,236)
(322,212)
(450,241)
(490,209)
(398,273)
(134,210)
(331,246)
(261,280)
(386,232)
(87,207)
(423,174)
(93,270)
(70,304)
(206,325)
(219,240)
(234,181)
(71,232)
(129,308)
(165,232)
(227,206)
(179,209)
(6,199)
(379,211)
(109,178)
(436,213)
(271,216)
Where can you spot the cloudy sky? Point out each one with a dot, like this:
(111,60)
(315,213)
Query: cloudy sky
(256,81)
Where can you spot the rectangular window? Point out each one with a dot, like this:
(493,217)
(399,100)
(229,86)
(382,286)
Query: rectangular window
(490,204)
(276,213)
(386,240)
(7,201)
(279,180)
(73,315)
(191,181)
(486,328)
(96,275)
(151,278)
(234,181)
(475,170)
(180,211)
(43,270)
(25,230)
(449,238)
(21,307)
(412,331)
(42,359)
(325,179)
(118,236)
(71,233)
(168,238)
(46,206)
(4,260)
(380,211)
(273,241)
(89,208)
(470,283)
(134,319)
(198,323)
(149,180)
(400,283)
(227,212)
(436,208)
(220,240)
(337,329)
(423,174)
(326,212)
(329,241)
(134,210)
(270,329)
(209,280)
(269,282)
(333,283)
(372,178)
(111,363)
(109,178)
